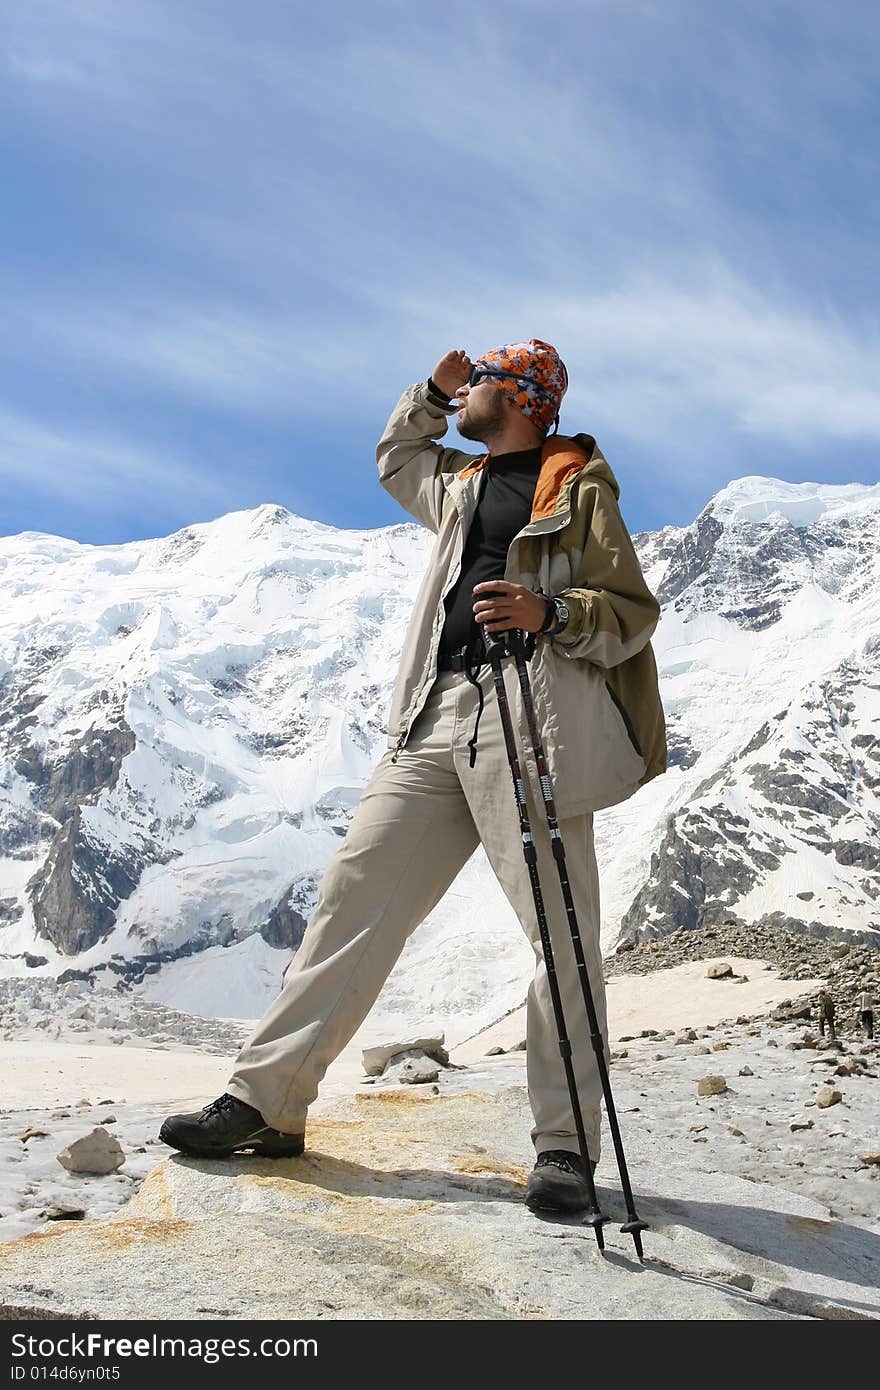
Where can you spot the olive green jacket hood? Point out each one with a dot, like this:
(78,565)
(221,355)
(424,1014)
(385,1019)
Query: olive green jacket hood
(598,466)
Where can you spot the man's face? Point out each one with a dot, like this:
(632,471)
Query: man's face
(484,412)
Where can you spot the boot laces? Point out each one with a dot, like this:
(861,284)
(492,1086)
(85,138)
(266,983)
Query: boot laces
(224,1102)
(561,1158)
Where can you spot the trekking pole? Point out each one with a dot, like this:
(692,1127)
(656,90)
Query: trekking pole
(632,1226)
(496,648)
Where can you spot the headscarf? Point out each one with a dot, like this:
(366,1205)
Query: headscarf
(541,378)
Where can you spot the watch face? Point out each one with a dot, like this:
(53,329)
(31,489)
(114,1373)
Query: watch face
(562,613)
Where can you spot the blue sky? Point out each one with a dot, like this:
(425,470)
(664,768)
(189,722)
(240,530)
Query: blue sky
(232,234)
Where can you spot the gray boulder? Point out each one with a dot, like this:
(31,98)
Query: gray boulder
(417,1071)
(376,1059)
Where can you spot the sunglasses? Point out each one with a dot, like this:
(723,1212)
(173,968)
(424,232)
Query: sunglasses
(479,373)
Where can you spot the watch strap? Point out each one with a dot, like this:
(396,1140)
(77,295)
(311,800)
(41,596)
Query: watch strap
(550,617)
(561,623)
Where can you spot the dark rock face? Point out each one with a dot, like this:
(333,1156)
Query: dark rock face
(83,879)
(704,862)
(757,740)
(808,776)
(179,547)
(791,788)
(131,970)
(689,555)
(79,887)
(768,559)
(286,924)
(88,768)
(22,831)
(858,852)
(681,751)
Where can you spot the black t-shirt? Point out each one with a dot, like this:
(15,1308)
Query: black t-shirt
(504,508)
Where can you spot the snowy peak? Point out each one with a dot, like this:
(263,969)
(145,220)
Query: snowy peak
(756,499)
(760,544)
(168,700)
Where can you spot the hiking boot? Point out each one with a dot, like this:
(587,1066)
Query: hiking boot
(226,1126)
(558,1182)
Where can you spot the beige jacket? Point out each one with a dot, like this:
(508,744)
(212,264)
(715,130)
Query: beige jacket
(595,684)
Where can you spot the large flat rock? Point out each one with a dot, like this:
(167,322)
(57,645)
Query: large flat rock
(409,1205)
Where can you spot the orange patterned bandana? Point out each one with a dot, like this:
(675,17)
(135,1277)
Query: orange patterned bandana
(534,380)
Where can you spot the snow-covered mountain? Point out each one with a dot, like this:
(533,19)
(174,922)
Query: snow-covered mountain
(186,725)
(769,651)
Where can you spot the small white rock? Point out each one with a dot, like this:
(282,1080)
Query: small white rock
(97,1152)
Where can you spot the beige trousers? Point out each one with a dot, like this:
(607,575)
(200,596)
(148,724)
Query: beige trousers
(417,823)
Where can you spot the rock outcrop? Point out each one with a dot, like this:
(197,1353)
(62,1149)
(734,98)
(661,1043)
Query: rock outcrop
(409,1205)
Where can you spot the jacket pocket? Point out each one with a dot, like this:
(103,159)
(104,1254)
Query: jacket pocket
(628,725)
(592,758)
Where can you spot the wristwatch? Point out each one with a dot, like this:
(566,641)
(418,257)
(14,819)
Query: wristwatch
(557,617)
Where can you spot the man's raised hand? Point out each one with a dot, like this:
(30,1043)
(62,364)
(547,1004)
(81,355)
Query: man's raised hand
(452,371)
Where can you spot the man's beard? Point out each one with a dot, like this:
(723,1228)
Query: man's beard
(487,424)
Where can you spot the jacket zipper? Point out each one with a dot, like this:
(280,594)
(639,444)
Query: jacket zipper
(451,581)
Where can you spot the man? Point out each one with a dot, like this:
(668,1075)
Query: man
(826,1014)
(529,536)
(865,1006)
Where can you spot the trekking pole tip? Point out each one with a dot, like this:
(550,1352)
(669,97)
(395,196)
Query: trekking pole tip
(634,1229)
(597,1221)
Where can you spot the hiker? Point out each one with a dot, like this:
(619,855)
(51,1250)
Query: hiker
(529,537)
(865,1006)
(826,1014)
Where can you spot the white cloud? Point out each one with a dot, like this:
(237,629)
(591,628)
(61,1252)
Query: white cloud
(245,360)
(102,471)
(709,357)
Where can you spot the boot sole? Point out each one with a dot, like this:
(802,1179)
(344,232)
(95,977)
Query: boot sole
(268,1146)
(280,1148)
(556,1208)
